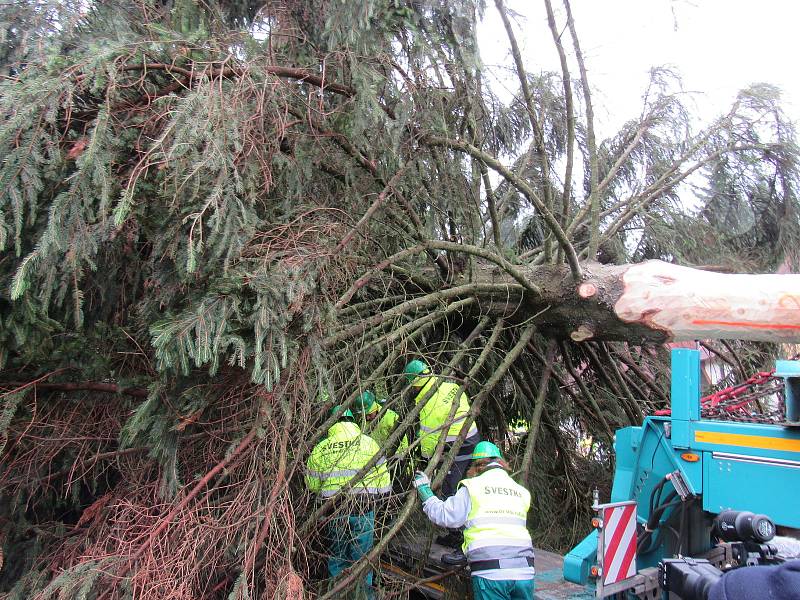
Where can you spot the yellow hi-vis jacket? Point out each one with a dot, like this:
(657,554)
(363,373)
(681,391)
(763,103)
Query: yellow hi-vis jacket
(337,458)
(433,416)
(381,430)
(496,526)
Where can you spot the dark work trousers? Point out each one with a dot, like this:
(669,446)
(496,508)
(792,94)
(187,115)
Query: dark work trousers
(350,538)
(460,465)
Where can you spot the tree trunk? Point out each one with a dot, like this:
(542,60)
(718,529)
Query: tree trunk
(657,301)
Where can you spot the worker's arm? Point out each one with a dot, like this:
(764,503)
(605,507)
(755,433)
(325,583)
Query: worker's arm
(781,581)
(451,513)
(392,420)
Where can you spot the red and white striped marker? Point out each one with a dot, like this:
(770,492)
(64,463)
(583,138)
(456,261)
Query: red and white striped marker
(618,542)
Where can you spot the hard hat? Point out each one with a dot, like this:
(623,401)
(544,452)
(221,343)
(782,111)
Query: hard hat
(486,450)
(365,403)
(346,414)
(413,369)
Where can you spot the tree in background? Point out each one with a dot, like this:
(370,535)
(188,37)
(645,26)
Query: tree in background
(218,220)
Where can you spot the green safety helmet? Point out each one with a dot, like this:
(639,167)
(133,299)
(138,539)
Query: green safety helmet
(486,450)
(415,368)
(345,415)
(365,403)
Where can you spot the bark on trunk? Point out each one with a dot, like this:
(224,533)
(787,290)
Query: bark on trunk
(657,302)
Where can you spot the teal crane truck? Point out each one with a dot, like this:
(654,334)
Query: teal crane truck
(693,497)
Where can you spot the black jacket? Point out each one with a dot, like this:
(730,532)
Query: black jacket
(781,582)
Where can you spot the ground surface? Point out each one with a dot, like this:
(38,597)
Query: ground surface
(441,581)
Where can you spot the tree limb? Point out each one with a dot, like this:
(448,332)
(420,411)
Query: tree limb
(530,194)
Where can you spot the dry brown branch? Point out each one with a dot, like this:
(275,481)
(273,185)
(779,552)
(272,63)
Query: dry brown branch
(92,386)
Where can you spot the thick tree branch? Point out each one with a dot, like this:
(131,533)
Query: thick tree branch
(530,194)
(300,75)
(581,214)
(512,270)
(594,196)
(536,126)
(538,406)
(569,106)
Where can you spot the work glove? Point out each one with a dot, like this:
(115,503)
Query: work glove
(423,486)
(421,479)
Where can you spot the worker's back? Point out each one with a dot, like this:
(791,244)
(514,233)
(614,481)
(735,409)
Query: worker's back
(434,415)
(385,427)
(340,456)
(496,526)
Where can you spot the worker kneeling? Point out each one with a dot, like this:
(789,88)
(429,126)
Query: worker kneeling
(333,464)
(493,508)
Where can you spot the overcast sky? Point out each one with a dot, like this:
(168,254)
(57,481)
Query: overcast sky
(718,46)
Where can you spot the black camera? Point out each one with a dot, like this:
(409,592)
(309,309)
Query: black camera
(743,526)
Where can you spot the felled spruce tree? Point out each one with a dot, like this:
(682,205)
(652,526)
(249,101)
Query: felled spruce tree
(219,220)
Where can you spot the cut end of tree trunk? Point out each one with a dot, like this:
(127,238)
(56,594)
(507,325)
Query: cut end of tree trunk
(690,304)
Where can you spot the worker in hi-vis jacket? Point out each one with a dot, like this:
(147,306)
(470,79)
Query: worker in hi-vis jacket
(493,510)
(333,464)
(434,421)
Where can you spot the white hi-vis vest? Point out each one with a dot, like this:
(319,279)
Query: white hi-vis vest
(496,527)
(433,418)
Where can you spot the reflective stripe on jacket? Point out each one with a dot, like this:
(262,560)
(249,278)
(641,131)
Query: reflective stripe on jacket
(496,524)
(337,459)
(434,415)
